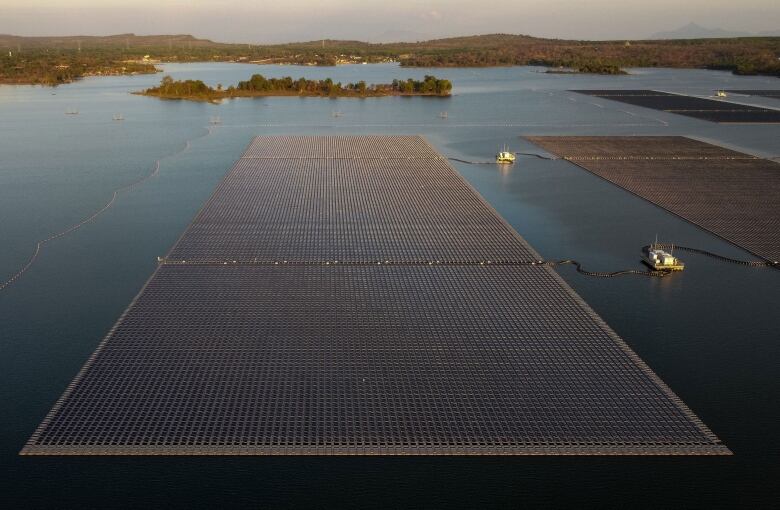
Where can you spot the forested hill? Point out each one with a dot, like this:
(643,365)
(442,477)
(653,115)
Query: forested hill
(61,59)
(103,41)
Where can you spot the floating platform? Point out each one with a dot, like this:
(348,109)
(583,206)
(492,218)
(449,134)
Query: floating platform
(427,336)
(731,194)
(697,107)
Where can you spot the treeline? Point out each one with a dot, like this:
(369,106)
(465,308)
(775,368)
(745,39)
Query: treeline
(428,86)
(193,89)
(595,67)
(258,85)
(42,66)
(43,59)
(751,55)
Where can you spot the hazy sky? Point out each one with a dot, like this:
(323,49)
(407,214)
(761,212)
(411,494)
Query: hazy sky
(296,20)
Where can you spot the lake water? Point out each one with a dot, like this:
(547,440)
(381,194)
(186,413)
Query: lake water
(712,333)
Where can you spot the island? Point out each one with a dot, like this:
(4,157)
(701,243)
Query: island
(260,86)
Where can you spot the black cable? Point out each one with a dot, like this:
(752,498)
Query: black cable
(602,274)
(750,263)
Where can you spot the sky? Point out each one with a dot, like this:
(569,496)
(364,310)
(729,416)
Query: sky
(261,21)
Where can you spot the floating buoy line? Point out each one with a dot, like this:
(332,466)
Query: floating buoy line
(114,195)
(652,273)
(658,273)
(722,258)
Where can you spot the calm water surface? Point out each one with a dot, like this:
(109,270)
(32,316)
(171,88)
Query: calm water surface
(712,333)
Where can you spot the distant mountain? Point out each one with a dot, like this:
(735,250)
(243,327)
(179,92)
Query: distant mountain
(694,31)
(126,40)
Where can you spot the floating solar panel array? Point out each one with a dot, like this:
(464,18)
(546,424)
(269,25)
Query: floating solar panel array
(714,110)
(733,195)
(353,295)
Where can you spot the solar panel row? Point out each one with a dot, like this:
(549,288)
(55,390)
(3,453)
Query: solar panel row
(714,110)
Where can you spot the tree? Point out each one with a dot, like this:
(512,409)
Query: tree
(166,83)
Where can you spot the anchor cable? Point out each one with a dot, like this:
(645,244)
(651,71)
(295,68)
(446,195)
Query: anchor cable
(114,195)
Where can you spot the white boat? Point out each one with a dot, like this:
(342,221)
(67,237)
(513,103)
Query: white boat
(721,93)
(118,116)
(660,260)
(505,157)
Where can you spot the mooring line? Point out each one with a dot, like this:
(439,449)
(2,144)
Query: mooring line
(603,274)
(723,258)
(655,119)
(663,272)
(444,125)
(472,162)
(114,195)
(540,156)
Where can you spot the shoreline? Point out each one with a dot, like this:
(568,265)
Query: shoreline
(157,70)
(260,86)
(218,100)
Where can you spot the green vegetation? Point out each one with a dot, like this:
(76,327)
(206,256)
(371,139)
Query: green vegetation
(58,67)
(748,55)
(258,86)
(53,60)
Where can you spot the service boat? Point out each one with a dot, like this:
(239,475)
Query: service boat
(660,260)
(505,157)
